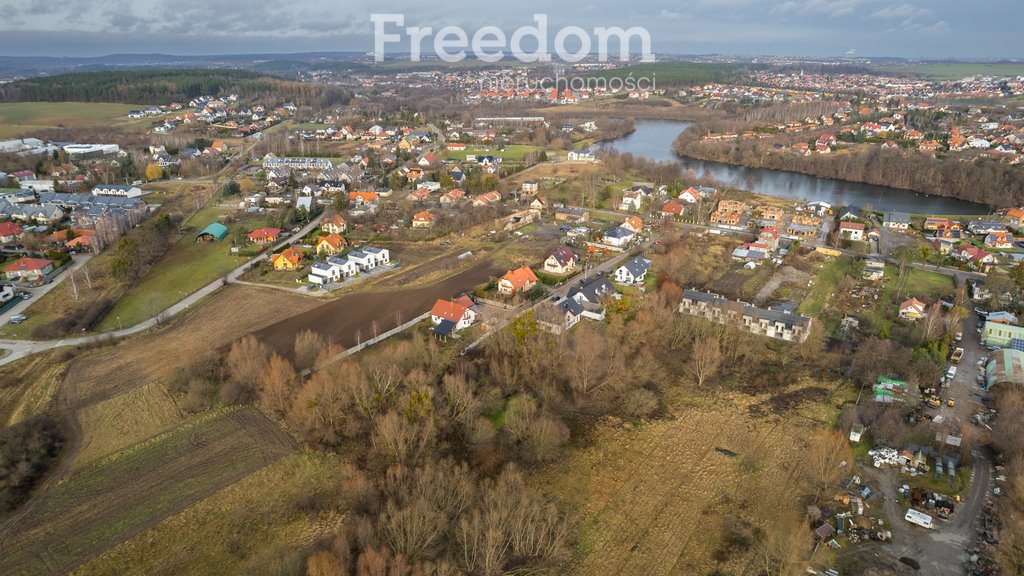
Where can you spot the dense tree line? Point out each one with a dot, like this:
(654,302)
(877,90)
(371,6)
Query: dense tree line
(981,179)
(166,86)
(27,450)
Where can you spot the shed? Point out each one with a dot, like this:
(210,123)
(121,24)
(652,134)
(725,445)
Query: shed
(212,233)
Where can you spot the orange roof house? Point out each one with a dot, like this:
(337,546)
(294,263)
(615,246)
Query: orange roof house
(362,198)
(518,280)
(1015,216)
(633,223)
(423,219)
(332,244)
(264,235)
(290,259)
(334,224)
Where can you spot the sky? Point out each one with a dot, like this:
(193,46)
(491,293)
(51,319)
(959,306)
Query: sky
(933,29)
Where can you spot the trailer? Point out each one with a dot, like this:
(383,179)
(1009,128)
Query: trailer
(920,518)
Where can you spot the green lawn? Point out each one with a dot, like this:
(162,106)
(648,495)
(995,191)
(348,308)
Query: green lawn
(958,71)
(825,284)
(514,153)
(22,118)
(920,284)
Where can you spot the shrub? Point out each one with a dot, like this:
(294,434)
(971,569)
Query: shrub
(27,450)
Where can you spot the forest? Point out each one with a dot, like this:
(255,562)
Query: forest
(166,86)
(981,180)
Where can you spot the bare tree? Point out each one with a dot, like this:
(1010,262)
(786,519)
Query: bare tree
(308,347)
(277,385)
(245,362)
(824,459)
(705,359)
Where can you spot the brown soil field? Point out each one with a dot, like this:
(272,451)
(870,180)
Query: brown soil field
(351,318)
(117,497)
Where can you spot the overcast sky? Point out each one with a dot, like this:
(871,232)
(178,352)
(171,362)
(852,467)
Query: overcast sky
(921,28)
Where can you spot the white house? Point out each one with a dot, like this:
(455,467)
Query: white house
(633,272)
(580,156)
(334,269)
(381,255)
(852,231)
(117,190)
(618,237)
(453,315)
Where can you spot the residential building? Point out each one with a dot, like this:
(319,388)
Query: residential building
(333,224)
(264,235)
(561,261)
(580,156)
(333,270)
(852,231)
(934,223)
(1001,335)
(558,317)
(271,161)
(897,221)
(771,322)
(633,224)
(912,309)
(29,269)
(9,232)
(975,256)
(423,219)
(517,281)
(618,237)
(572,215)
(773,213)
(672,210)
(453,315)
(331,245)
(531,187)
(985,227)
(999,240)
(633,272)
(289,259)
(116,190)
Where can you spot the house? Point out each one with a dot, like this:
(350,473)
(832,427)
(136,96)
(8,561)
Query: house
(381,256)
(851,213)
(9,232)
(332,244)
(974,256)
(334,269)
(531,187)
(334,224)
(29,269)
(912,309)
(750,252)
(453,315)
(633,271)
(772,213)
(456,146)
(934,223)
(874,269)
(423,219)
(618,237)
(769,236)
(573,215)
(1015,217)
(851,231)
(692,195)
(487,199)
(631,201)
(561,261)
(539,203)
(558,317)
(116,190)
(634,224)
(428,159)
(726,218)
(896,221)
(999,240)
(289,259)
(593,293)
(580,156)
(363,198)
(452,197)
(518,280)
(984,227)
(777,323)
(264,235)
(672,210)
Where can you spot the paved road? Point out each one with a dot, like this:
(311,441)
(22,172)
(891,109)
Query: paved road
(22,348)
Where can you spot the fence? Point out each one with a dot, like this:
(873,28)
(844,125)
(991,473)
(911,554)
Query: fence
(378,338)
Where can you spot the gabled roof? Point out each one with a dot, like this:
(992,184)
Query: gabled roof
(449,310)
(291,255)
(335,241)
(563,255)
(520,277)
(618,232)
(10,229)
(28,264)
(638,266)
(593,290)
(264,234)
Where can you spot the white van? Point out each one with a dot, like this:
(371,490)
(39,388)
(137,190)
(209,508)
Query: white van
(951,373)
(920,518)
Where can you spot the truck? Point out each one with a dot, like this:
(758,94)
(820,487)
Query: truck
(951,373)
(956,356)
(920,518)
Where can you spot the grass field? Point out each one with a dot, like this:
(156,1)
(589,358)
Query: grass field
(22,118)
(123,420)
(39,377)
(829,275)
(119,496)
(921,284)
(255,518)
(654,499)
(514,153)
(959,71)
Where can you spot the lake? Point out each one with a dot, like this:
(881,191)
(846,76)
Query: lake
(653,139)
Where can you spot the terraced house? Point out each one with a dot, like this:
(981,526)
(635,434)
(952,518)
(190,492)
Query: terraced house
(771,322)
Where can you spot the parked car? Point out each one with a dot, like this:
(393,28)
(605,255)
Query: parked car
(18,318)
(26,295)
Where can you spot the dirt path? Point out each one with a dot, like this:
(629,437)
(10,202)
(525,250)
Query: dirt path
(784,275)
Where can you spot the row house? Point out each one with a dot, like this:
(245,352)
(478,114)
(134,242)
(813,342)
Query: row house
(773,323)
